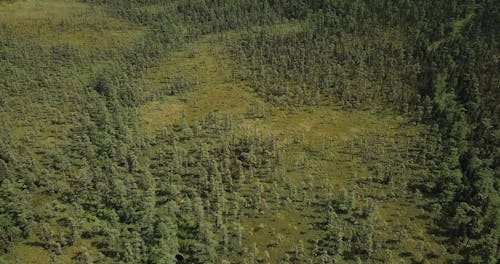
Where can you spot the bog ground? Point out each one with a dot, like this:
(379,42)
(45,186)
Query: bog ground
(203,131)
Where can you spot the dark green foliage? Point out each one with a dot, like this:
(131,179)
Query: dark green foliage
(16,214)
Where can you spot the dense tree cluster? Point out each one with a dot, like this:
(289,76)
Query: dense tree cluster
(188,193)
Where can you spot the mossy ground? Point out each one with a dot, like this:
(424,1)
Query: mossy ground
(81,25)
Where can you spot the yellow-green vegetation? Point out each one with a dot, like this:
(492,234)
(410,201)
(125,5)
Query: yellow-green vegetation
(80,25)
(214,90)
(209,131)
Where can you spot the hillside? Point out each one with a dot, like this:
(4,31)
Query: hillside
(214,131)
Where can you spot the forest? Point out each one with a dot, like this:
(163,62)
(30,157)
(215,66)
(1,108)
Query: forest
(249,131)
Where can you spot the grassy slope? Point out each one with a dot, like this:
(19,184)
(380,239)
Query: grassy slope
(301,132)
